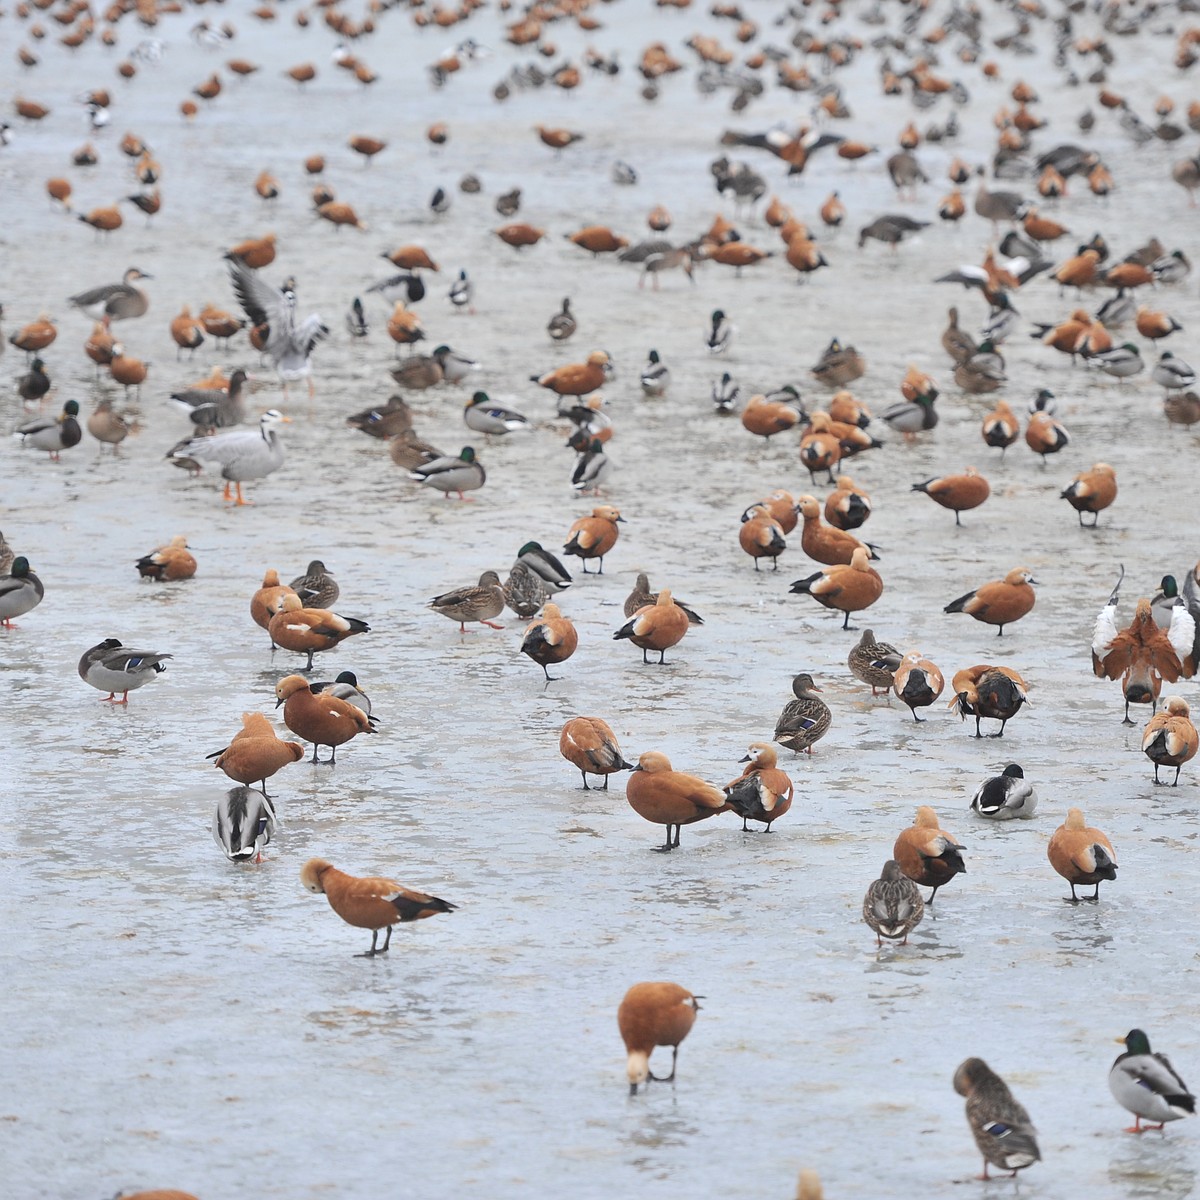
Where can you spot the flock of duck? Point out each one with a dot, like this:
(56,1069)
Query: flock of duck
(921,49)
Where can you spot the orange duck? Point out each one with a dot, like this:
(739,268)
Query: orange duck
(319,718)
(1000,427)
(168,563)
(820,448)
(988,691)
(268,600)
(589,744)
(667,797)
(187,331)
(594,536)
(310,630)
(1170,738)
(1000,602)
(550,639)
(917,682)
(761,536)
(518,235)
(657,626)
(575,379)
(956,492)
(761,792)
(1081,855)
(768,417)
(927,854)
(845,588)
(598,239)
(826,543)
(1092,491)
(781,506)
(654,1014)
(256,753)
(254,252)
(847,506)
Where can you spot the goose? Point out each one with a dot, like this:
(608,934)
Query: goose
(114,301)
(243,454)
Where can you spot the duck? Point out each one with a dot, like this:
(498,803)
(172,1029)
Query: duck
(761,536)
(826,543)
(411,257)
(1091,491)
(927,854)
(7,557)
(479,602)
(767,418)
(910,417)
(847,506)
(893,906)
(36,336)
(482,416)
(210,409)
(875,663)
(890,229)
(115,301)
(548,567)
(655,377)
(1170,738)
(762,792)
(126,370)
(917,682)
(650,1015)
(562,325)
(597,239)
(463,473)
(1000,427)
(781,507)
(719,335)
(519,234)
(1044,435)
(1173,373)
(725,394)
(255,753)
(1000,602)
(820,447)
(1006,796)
(983,372)
(417,372)
(310,631)
(21,591)
(1121,362)
(524,590)
(404,327)
(268,600)
(844,408)
(641,596)
(316,587)
(589,744)
(550,639)
(1156,325)
(404,289)
(255,253)
(988,691)
(370,903)
(344,687)
(959,493)
(168,563)
(384,420)
(243,454)
(110,667)
(576,379)
(1147,1085)
(244,823)
(592,537)
(35,384)
(847,588)
(462,293)
(322,719)
(1002,1129)
(1081,854)
(839,365)
(53,434)
(667,797)
(657,626)
(804,720)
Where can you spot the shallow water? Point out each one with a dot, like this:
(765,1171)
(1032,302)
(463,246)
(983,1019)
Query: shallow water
(172,1020)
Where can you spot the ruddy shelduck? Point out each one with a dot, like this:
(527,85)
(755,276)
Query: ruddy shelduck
(826,543)
(658,626)
(1081,855)
(550,639)
(917,682)
(1170,738)
(654,1014)
(370,903)
(765,418)
(762,792)
(256,753)
(268,600)
(847,506)
(956,492)
(667,797)
(589,744)
(310,630)
(988,691)
(761,536)
(845,588)
(927,854)
(1092,492)
(1000,602)
(594,536)
(576,379)
(168,563)
(319,718)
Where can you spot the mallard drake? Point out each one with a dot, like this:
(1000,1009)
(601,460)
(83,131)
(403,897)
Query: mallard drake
(847,588)
(310,631)
(344,687)
(927,854)
(761,792)
(1003,1131)
(1091,491)
(917,682)
(1170,738)
(255,753)
(958,493)
(1173,373)
(761,536)
(321,719)
(655,377)
(1000,602)
(1121,362)
(20,592)
(657,626)
(53,434)
(1147,1085)
(641,596)
(462,474)
(911,417)
(592,537)
(988,691)
(804,720)
(839,365)
(478,603)
(589,744)
(725,394)
(168,563)
(847,506)
(114,301)
(654,1014)
(110,667)
(562,325)
(481,415)
(1081,855)
(317,588)
(550,639)
(243,455)
(874,662)
(1005,796)
(545,565)
(462,293)
(893,906)
(719,334)
(667,797)
(242,825)
(455,366)
(370,903)
(826,543)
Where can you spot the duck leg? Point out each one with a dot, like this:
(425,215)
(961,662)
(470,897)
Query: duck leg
(664,848)
(374,938)
(668,1078)
(585,782)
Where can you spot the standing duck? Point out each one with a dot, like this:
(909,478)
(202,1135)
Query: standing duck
(310,631)
(576,379)
(839,365)
(927,854)
(761,536)
(482,416)
(917,682)
(317,588)
(1170,738)
(1091,491)
(658,626)
(546,566)
(667,797)
(720,333)
(592,537)
(460,474)
(21,591)
(1147,1085)
(1002,1129)
(562,325)
(804,720)
(654,1014)
(550,639)
(106,426)
(655,377)
(641,596)
(255,753)
(344,687)
(874,662)
(243,454)
(1081,855)
(955,341)
(115,301)
(53,434)
(33,386)
(243,824)
(1005,796)
(478,603)
(1000,602)
(762,792)
(987,691)
(845,588)
(1001,427)
(268,600)
(847,506)
(322,719)
(589,744)
(110,667)
(826,543)
(893,906)
(1044,435)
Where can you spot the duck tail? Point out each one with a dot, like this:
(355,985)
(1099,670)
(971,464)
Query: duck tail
(626,631)
(1105,867)
(959,604)
(922,487)
(803,586)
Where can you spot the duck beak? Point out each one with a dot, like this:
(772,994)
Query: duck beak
(278,702)
(622,520)
(639,767)
(744,758)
